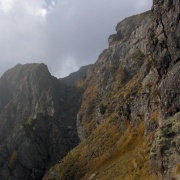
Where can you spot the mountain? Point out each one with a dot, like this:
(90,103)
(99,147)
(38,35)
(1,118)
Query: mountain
(75,76)
(115,119)
(37,121)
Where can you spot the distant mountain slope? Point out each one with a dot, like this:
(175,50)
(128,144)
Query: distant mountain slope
(73,77)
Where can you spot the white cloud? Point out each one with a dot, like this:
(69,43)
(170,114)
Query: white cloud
(69,65)
(53,3)
(64,34)
(21,32)
(34,7)
(28,7)
(6,5)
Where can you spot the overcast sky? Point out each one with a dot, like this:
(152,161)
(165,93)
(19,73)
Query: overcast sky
(64,34)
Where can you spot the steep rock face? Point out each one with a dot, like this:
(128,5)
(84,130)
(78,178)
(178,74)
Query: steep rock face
(123,64)
(165,152)
(119,106)
(164,46)
(37,127)
(29,87)
(131,90)
(165,38)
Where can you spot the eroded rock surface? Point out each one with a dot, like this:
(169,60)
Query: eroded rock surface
(165,152)
(164,45)
(37,122)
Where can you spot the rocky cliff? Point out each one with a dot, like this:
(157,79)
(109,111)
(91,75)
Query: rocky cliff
(124,109)
(130,91)
(165,39)
(119,110)
(37,122)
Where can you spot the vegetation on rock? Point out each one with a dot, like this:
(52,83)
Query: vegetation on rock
(13,160)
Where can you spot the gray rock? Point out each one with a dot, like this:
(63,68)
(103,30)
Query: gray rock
(165,151)
(34,133)
(164,45)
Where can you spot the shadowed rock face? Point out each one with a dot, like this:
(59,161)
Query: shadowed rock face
(165,151)
(37,124)
(164,45)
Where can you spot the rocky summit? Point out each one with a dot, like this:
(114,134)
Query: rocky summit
(115,119)
(37,122)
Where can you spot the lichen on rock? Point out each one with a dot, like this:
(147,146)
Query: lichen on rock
(165,151)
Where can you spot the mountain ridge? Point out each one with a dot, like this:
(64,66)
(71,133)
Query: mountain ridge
(75,76)
(115,119)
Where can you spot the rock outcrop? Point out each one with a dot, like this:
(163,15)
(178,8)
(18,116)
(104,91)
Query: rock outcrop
(37,122)
(118,67)
(165,152)
(164,46)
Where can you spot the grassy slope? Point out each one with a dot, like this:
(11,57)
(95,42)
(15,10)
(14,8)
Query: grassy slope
(108,155)
(130,159)
(115,149)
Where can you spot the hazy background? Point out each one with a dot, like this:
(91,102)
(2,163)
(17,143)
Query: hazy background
(64,34)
